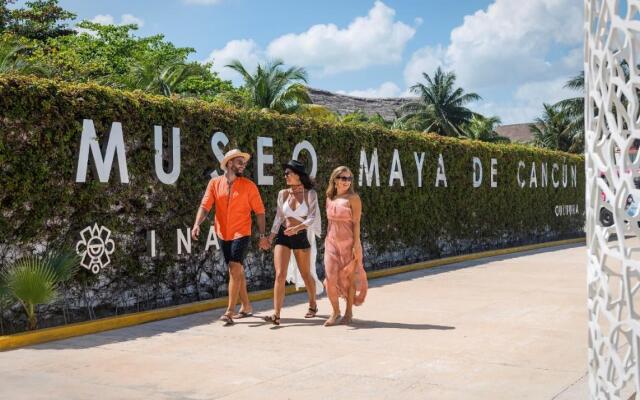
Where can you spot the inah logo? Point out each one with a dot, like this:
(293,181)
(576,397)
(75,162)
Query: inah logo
(95,248)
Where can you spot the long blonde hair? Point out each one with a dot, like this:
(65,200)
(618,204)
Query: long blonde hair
(332,191)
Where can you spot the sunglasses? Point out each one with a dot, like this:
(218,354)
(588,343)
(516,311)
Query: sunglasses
(345,178)
(287,173)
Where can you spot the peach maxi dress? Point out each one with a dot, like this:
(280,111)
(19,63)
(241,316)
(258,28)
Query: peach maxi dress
(339,262)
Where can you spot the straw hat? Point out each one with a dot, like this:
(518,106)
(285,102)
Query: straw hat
(231,154)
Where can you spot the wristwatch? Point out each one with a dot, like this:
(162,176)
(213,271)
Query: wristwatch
(262,235)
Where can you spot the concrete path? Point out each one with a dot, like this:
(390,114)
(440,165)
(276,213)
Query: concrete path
(511,327)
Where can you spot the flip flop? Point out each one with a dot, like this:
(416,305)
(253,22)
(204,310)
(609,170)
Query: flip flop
(243,314)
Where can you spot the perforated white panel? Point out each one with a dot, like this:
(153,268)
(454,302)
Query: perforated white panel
(613,173)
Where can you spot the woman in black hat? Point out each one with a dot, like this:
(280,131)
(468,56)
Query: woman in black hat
(296,225)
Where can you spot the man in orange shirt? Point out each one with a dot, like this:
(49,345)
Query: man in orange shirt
(234,197)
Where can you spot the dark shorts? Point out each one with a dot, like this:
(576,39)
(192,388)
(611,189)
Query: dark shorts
(235,250)
(295,242)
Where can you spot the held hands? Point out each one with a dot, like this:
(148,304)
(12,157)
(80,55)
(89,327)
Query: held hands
(264,244)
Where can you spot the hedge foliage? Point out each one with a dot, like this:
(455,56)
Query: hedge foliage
(42,205)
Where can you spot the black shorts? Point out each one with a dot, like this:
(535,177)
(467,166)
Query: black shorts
(235,250)
(295,242)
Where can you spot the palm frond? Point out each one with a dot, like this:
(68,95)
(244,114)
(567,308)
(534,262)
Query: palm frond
(65,264)
(31,281)
(273,87)
(441,104)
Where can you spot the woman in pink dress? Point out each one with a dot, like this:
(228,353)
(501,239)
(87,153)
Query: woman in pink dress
(344,269)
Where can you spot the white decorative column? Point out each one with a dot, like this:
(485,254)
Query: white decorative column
(612,135)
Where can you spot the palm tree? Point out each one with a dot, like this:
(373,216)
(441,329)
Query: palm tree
(34,280)
(483,129)
(441,107)
(552,130)
(273,88)
(12,60)
(162,79)
(574,111)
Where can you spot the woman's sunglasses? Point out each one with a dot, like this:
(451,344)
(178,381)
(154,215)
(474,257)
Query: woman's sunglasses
(287,173)
(345,178)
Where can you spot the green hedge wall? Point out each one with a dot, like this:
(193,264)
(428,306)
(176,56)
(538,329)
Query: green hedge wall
(42,205)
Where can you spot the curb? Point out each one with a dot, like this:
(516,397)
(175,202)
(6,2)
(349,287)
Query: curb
(9,342)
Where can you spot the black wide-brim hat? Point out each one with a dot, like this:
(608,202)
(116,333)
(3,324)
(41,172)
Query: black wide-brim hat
(296,166)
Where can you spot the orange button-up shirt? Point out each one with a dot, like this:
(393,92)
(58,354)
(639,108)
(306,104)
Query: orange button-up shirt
(233,206)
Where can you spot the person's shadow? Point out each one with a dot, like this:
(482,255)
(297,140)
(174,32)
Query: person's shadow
(356,323)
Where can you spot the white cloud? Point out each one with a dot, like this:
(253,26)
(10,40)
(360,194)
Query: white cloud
(574,60)
(128,19)
(371,40)
(245,50)
(426,60)
(508,43)
(103,19)
(203,2)
(511,47)
(527,100)
(387,89)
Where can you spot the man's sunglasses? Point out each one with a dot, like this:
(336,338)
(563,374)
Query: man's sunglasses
(345,178)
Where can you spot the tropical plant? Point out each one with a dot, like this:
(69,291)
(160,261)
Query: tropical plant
(441,106)
(35,280)
(573,108)
(163,79)
(40,20)
(113,56)
(204,84)
(273,88)
(552,130)
(483,129)
(317,112)
(359,117)
(5,13)
(14,60)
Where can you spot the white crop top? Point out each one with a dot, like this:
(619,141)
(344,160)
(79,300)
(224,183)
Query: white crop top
(307,212)
(300,213)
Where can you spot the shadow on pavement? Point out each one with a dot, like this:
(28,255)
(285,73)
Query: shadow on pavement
(200,323)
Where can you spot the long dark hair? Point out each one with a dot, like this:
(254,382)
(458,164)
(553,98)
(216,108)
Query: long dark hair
(307,182)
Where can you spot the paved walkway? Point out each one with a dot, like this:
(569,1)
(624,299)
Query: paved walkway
(510,327)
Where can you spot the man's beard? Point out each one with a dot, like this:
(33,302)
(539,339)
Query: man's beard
(236,171)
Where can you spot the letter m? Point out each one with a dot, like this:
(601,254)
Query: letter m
(103,159)
(369,169)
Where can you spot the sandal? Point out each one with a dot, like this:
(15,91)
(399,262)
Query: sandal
(346,320)
(312,312)
(243,314)
(332,321)
(226,318)
(274,319)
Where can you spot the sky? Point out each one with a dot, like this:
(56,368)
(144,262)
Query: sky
(516,54)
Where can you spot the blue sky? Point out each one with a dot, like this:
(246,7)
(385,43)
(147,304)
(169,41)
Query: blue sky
(516,54)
